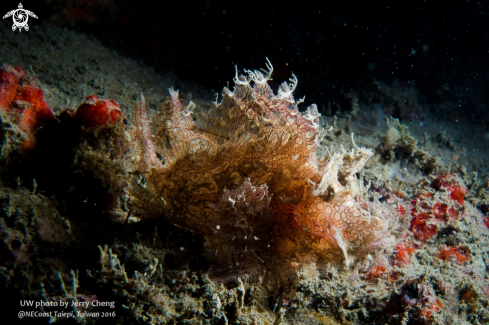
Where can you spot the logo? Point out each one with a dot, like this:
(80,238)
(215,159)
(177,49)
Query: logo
(20,16)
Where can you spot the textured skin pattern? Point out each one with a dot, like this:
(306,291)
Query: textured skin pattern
(243,176)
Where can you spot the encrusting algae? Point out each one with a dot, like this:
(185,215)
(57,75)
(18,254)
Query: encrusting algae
(247,177)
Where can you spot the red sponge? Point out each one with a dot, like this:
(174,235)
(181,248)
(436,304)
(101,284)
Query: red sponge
(95,112)
(22,97)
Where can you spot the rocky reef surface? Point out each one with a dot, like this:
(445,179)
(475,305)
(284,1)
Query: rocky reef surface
(165,207)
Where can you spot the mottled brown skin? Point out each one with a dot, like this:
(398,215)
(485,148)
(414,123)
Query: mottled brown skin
(243,176)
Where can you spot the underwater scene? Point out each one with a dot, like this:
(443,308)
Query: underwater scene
(216,162)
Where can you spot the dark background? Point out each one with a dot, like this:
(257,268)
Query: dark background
(333,47)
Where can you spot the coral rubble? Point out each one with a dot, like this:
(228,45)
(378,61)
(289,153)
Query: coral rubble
(236,215)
